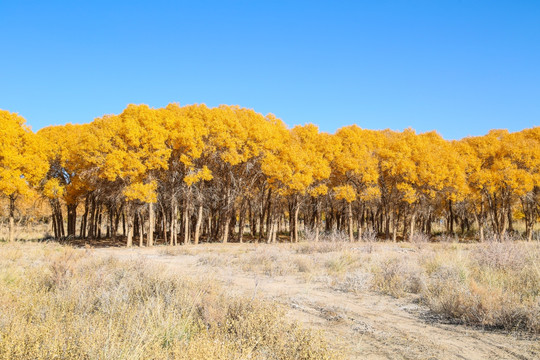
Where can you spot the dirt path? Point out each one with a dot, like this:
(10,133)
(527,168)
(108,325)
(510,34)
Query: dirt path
(364,326)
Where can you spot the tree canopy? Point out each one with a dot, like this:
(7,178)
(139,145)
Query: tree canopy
(185,173)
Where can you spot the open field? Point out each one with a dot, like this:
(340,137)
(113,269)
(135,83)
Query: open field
(63,303)
(366,300)
(385,301)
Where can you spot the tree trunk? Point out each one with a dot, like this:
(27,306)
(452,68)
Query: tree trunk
(394,226)
(72,219)
(109,222)
(53,218)
(350,218)
(82,233)
(11,218)
(481,228)
(480,224)
(55,230)
(151,221)
(164,223)
(57,216)
(215,225)
(451,217)
(226,218)
(124,229)
(174,223)
(141,230)
(389,221)
(504,227)
(359,230)
(92,214)
(296,210)
(225,237)
(270,232)
(291,222)
(274,233)
(212,233)
(172,229)
(262,214)
(129,216)
(241,224)
(98,222)
(186,224)
(198,225)
(268,210)
(317,225)
(252,227)
(413,220)
(117,216)
(528,230)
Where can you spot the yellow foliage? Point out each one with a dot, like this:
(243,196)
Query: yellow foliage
(345,192)
(196,176)
(300,163)
(22,156)
(143,154)
(53,189)
(142,192)
(318,190)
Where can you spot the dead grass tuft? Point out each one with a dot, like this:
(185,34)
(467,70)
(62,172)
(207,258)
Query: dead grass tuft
(500,255)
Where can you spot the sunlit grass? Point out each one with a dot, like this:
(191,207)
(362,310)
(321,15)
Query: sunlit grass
(492,284)
(62,303)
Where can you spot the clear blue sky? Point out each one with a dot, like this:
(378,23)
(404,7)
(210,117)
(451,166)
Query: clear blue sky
(459,67)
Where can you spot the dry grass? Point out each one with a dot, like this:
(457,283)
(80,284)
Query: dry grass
(61,303)
(268,260)
(494,285)
(30,232)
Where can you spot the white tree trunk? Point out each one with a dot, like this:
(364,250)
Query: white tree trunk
(129,216)
(198,225)
(186,225)
(296,222)
(413,220)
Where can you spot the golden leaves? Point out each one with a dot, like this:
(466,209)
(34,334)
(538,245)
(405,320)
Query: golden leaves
(133,153)
(345,192)
(502,161)
(53,189)
(22,156)
(195,176)
(145,193)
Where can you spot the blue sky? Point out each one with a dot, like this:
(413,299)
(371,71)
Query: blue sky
(458,67)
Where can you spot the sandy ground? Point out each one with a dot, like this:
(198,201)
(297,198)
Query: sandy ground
(364,326)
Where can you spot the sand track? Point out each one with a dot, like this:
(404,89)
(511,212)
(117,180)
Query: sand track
(364,326)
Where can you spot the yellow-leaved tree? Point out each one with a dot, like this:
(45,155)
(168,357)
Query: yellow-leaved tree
(524,148)
(183,181)
(122,152)
(355,170)
(501,167)
(63,182)
(23,162)
(239,139)
(298,168)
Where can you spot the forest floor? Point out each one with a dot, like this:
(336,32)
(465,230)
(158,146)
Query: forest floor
(320,289)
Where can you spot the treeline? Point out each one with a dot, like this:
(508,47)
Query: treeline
(193,173)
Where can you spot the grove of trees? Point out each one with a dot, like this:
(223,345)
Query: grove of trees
(185,174)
